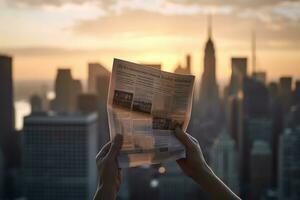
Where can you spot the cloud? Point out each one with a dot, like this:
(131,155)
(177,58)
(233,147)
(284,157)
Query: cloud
(238,3)
(57,51)
(44,2)
(135,25)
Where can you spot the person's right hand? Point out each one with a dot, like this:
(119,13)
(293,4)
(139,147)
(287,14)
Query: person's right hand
(194,164)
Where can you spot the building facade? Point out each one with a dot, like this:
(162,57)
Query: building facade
(289,165)
(59,156)
(224,161)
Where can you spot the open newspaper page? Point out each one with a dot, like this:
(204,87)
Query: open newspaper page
(144,103)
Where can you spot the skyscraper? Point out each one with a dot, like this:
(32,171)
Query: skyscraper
(95,70)
(209,92)
(289,165)
(296,93)
(9,138)
(102,84)
(260,169)
(224,161)
(36,103)
(285,93)
(66,91)
(238,73)
(1,174)
(6,109)
(59,156)
(87,103)
(260,76)
(187,68)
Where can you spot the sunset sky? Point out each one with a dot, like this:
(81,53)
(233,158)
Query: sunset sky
(44,35)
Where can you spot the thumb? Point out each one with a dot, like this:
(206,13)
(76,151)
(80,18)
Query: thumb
(183,137)
(115,146)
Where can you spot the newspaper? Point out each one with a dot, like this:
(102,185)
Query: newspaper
(143,104)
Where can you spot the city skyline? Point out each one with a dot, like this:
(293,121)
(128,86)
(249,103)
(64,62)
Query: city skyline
(79,32)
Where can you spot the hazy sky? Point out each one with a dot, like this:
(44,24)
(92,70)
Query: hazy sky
(43,35)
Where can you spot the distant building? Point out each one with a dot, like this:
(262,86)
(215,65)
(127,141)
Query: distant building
(256,125)
(87,103)
(259,129)
(102,84)
(224,161)
(7,110)
(209,91)
(36,104)
(207,112)
(2,172)
(260,169)
(296,93)
(289,165)
(233,98)
(66,91)
(238,73)
(9,138)
(260,77)
(186,69)
(95,70)
(59,156)
(285,93)
(234,118)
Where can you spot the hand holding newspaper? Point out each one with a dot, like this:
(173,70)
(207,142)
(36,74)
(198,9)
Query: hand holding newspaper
(143,105)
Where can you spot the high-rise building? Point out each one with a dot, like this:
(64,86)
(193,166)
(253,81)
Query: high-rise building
(95,70)
(87,103)
(260,77)
(233,97)
(66,91)
(238,73)
(36,103)
(260,169)
(9,138)
(7,110)
(285,93)
(102,84)
(256,98)
(257,125)
(289,165)
(296,93)
(1,174)
(207,116)
(59,156)
(234,118)
(209,92)
(224,161)
(259,129)
(186,69)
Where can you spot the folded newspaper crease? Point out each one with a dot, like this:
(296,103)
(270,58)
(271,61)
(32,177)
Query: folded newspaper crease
(143,103)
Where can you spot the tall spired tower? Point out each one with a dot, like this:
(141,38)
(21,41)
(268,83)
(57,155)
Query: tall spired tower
(209,93)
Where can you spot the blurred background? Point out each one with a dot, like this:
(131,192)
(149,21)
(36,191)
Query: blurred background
(55,63)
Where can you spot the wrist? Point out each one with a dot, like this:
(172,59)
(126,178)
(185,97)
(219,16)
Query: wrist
(203,174)
(107,192)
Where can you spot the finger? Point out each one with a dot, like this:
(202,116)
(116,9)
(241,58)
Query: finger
(193,139)
(183,138)
(104,150)
(115,146)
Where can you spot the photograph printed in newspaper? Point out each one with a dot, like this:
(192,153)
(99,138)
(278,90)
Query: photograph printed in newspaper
(143,105)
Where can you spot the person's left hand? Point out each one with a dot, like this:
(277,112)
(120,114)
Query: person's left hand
(108,170)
